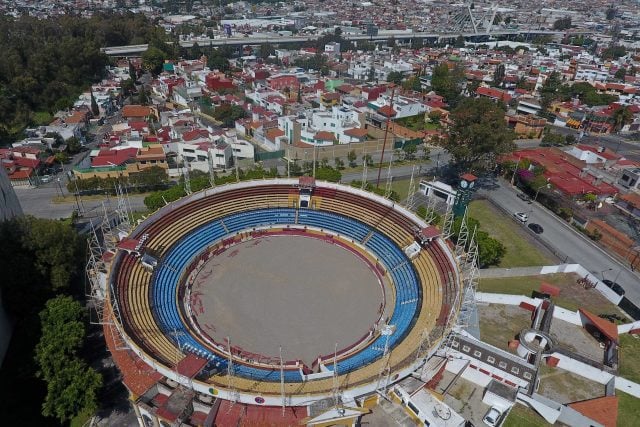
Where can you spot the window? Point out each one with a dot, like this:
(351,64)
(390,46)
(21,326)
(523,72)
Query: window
(515,370)
(413,408)
(456,344)
(491,359)
(466,348)
(502,365)
(477,353)
(527,375)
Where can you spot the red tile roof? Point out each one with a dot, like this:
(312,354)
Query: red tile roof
(135,111)
(108,158)
(602,409)
(356,132)
(607,328)
(190,365)
(137,376)
(493,93)
(324,136)
(238,414)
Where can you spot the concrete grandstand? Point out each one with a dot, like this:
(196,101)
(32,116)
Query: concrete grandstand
(276,293)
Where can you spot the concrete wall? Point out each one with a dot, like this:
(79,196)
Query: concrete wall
(9,208)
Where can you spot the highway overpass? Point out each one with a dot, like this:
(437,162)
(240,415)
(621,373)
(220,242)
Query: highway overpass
(132,50)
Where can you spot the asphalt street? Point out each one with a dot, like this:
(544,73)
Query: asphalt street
(565,241)
(38,202)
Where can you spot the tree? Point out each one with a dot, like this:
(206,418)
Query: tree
(478,134)
(621,117)
(73,145)
(61,157)
(367,159)
(620,73)
(338,163)
(490,250)
(562,24)
(409,151)
(95,111)
(498,75)
(132,71)
(448,83)
(328,174)
(351,157)
(371,75)
(153,59)
(72,386)
(395,77)
(611,12)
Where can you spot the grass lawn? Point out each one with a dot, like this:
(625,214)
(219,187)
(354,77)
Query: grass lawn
(521,416)
(401,187)
(628,409)
(521,252)
(629,367)
(572,296)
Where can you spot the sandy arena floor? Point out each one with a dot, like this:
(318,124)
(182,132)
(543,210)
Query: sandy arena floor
(300,293)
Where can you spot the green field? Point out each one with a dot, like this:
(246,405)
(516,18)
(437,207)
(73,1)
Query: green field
(572,296)
(628,409)
(521,252)
(521,416)
(629,362)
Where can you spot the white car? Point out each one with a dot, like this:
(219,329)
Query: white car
(493,417)
(521,216)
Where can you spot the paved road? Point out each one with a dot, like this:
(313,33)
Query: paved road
(37,202)
(623,145)
(567,242)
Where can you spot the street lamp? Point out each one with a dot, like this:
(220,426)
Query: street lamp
(540,188)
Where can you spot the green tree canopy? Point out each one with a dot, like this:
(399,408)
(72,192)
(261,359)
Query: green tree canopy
(72,386)
(478,134)
(448,83)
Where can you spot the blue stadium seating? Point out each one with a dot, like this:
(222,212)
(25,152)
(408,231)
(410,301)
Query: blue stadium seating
(165,283)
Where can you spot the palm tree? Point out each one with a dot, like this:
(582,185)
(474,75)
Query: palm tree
(621,117)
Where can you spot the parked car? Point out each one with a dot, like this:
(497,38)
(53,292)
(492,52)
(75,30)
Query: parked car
(493,417)
(524,197)
(521,216)
(536,228)
(614,287)
(45,178)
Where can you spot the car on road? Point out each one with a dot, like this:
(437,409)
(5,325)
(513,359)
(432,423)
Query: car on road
(521,216)
(524,197)
(492,418)
(536,228)
(45,178)
(614,287)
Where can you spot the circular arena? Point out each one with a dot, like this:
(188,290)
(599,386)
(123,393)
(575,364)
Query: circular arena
(280,291)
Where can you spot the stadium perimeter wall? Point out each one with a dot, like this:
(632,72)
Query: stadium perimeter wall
(275,400)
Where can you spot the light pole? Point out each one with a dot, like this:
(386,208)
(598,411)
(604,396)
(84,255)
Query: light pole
(540,188)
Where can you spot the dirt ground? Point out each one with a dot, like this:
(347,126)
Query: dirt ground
(577,339)
(300,293)
(501,323)
(566,387)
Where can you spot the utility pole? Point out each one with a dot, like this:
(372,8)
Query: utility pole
(386,132)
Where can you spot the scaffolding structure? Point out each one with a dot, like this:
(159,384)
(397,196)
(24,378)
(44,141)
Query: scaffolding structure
(363,184)
(388,188)
(464,309)
(212,174)
(412,190)
(385,369)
